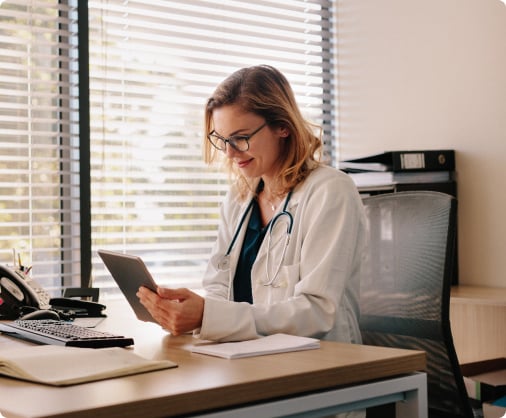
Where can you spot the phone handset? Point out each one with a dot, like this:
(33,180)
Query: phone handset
(41,295)
(18,290)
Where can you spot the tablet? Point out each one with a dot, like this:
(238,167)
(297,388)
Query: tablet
(130,273)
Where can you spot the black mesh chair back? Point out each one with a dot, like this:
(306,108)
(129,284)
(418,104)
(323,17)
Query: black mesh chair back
(405,289)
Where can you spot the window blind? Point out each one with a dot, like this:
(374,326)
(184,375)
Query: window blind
(153,64)
(39,139)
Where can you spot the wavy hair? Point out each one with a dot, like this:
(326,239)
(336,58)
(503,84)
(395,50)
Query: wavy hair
(265,91)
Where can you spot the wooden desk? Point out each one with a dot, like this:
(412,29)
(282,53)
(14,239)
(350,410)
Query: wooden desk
(478,322)
(336,374)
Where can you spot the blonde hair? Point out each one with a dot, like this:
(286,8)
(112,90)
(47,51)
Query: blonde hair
(265,91)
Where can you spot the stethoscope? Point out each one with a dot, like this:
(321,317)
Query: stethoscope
(282,218)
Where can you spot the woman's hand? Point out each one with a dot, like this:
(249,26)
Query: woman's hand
(176,310)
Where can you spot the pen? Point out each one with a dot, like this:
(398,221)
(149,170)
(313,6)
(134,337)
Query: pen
(20,264)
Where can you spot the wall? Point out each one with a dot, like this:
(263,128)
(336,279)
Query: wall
(428,74)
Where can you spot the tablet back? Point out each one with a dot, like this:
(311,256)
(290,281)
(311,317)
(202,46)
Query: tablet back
(129,272)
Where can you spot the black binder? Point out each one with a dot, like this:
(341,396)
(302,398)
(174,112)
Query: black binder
(423,160)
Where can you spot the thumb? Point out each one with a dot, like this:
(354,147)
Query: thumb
(173,294)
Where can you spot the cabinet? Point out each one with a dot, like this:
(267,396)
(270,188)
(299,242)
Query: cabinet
(478,322)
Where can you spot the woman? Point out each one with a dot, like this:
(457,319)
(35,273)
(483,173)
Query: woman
(287,257)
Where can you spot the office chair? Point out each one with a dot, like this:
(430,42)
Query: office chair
(405,288)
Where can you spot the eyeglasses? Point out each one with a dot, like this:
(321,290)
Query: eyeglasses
(238,142)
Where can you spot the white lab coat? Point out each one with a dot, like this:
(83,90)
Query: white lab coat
(317,289)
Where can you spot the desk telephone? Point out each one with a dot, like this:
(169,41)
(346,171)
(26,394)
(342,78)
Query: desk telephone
(21,295)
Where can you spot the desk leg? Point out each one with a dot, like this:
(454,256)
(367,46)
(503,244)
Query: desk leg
(415,403)
(409,392)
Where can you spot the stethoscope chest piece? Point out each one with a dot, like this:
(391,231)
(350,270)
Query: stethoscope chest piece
(224,263)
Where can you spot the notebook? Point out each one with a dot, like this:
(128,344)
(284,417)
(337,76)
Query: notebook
(271,344)
(62,366)
(129,272)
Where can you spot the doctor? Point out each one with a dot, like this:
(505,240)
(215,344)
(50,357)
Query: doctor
(288,253)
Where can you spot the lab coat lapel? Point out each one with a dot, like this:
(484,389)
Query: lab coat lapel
(236,250)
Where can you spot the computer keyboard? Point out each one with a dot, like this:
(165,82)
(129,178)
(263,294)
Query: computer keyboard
(58,332)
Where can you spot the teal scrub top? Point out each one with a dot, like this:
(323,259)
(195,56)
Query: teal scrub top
(255,234)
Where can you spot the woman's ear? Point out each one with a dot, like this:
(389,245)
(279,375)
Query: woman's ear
(283,132)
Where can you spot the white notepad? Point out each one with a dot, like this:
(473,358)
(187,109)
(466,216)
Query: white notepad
(60,365)
(272,344)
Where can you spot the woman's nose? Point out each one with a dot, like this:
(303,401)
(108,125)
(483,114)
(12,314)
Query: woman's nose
(230,151)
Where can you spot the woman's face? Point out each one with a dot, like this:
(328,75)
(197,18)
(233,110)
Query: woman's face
(262,159)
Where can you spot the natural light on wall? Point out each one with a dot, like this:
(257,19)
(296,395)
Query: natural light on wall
(152,67)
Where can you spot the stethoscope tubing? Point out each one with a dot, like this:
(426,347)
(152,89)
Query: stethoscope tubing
(239,227)
(224,263)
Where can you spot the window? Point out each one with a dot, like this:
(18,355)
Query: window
(39,146)
(152,66)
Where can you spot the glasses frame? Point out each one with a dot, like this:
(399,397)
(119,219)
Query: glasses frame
(232,139)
